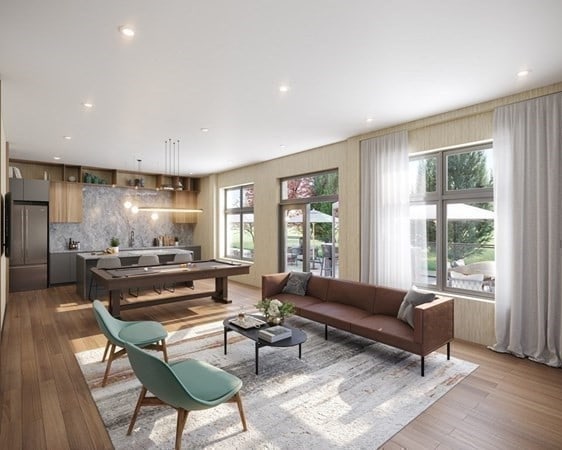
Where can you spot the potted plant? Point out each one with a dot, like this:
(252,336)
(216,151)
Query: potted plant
(114,242)
(275,311)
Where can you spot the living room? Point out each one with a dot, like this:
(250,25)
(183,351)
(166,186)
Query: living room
(474,316)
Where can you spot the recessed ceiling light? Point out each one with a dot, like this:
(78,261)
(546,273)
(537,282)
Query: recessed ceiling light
(68,138)
(369,119)
(284,88)
(88,105)
(523,73)
(127,31)
(204,130)
(56,158)
(283,146)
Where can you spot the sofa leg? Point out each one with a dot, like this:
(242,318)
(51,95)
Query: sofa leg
(325,331)
(422,366)
(448,350)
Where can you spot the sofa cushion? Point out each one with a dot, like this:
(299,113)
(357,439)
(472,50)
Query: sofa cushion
(333,314)
(352,293)
(318,287)
(388,330)
(299,301)
(388,301)
(296,283)
(412,299)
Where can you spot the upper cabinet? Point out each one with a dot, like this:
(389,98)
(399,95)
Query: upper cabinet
(65,202)
(185,199)
(29,190)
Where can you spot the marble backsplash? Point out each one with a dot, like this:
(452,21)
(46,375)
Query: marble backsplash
(104,216)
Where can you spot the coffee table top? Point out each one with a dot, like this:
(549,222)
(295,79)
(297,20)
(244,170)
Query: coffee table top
(297,337)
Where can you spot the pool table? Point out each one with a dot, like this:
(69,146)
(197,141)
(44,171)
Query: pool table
(118,281)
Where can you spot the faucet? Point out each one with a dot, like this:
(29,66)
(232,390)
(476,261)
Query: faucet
(132,239)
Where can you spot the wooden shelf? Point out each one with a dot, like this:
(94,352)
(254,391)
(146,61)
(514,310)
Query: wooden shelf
(98,176)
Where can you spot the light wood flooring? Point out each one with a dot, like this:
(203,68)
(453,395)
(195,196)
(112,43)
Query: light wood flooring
(507,403)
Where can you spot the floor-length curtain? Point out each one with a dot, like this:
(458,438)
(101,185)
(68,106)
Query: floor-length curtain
(527,154)
(385,223)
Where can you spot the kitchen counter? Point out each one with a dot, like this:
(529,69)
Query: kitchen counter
(86,260)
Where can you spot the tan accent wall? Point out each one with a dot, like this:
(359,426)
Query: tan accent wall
(474,319)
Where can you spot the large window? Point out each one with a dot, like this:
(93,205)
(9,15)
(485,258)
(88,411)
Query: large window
(239,220)
(309,230)
(452,220)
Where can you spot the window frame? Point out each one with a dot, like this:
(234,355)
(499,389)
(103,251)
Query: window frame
(240,211)
(441,198)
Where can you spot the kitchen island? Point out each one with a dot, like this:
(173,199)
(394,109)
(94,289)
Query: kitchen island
(119,281)
(85,261)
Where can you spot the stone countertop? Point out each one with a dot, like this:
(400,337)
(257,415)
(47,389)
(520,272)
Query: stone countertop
(132,252)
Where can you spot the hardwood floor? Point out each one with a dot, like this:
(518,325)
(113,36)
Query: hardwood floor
(506,403)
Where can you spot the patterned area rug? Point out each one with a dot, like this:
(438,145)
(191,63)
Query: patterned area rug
(348,392)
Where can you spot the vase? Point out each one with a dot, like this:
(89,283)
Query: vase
(274,320)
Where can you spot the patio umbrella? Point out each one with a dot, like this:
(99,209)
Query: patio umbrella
(315,217)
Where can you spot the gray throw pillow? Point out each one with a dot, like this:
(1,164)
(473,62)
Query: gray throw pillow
(297,282)
(412,299)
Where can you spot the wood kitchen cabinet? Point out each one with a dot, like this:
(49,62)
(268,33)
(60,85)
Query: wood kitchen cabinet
(185,199)
(65,202)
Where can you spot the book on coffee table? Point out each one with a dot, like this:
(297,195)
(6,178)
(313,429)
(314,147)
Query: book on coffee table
(274,334)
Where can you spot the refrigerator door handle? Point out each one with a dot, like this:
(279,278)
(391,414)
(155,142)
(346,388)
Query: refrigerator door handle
(23,234)
(26,225)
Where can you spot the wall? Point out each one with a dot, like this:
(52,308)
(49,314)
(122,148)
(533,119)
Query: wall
(265,177)
(3,190)
(474,318)
(105,216)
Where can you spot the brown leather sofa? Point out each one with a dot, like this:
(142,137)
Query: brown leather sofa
(369,311)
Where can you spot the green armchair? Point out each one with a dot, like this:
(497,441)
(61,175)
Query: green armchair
(146,334)
(185,386)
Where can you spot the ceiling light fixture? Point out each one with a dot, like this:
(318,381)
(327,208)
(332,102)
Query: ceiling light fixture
(88,105)
(523,73)
(56,158)
(127,31)
(369,120)
(284,88)
(68,138)
(172,165)
(204,130)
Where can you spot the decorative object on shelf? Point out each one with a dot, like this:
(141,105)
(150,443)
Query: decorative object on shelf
(275,311)
(87,178)
(114,242)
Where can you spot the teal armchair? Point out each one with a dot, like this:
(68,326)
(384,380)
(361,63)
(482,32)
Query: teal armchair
(146,334)
(186,386)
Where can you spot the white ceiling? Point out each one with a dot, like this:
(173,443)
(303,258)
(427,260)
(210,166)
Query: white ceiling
(218,64)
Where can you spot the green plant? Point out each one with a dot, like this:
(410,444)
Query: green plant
(272,307)
(114,242)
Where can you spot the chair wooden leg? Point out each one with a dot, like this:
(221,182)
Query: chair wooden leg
(109,361)
(165,350)
(182,418)
(105,351)
(241,411)
(137,409)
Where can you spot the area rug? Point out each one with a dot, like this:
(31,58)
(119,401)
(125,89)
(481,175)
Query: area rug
(347,392)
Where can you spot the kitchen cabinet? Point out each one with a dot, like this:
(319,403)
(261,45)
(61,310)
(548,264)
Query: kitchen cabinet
(29,190)
(185,199)
(62,268)
(65,202)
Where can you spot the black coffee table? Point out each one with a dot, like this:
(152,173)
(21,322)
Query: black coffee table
(297,337)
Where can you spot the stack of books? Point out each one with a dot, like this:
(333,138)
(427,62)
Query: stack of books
(274,334)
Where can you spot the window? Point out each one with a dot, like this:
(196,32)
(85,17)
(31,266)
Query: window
(310,208)
(452,220)
(239,220)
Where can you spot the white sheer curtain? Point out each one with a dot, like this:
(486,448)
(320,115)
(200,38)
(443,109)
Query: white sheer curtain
(527,154)
(385,221)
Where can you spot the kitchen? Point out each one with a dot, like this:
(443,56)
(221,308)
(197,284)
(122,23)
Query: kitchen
(84,217)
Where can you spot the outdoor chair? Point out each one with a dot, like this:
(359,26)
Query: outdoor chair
(147,334)
(186,386)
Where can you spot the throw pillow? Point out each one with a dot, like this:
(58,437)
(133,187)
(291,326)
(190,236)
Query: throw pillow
(297,282)
(412,299)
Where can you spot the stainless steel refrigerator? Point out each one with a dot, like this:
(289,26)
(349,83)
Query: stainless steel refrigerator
(29,238)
